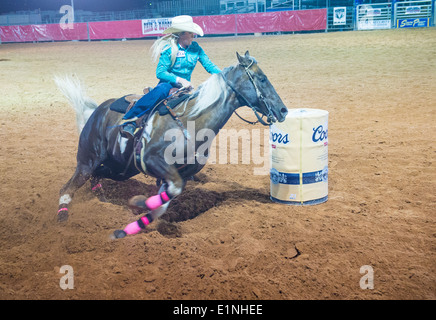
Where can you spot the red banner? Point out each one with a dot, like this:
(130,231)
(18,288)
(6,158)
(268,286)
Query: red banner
(115,29)
(43,32)
(258,22)
(303,20)
(224,24)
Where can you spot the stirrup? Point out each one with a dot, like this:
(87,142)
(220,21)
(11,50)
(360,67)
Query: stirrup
(128,130)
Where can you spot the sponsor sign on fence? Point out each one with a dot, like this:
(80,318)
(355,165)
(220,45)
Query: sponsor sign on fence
(155,26)
(374,24)
(339,15)
(374,16)
(413,23)
(413,14)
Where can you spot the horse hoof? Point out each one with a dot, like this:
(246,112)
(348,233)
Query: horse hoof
(102,199)
(137,202)
(137,211)
(63,216)
(119,234)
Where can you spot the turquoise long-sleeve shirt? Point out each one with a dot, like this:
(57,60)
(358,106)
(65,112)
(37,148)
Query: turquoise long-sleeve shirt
(184,65)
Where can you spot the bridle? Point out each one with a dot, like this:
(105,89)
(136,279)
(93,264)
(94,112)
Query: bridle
(270,116)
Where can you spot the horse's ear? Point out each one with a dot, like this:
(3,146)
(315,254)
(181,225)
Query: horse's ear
(245,60)
(240,59)
(247,54)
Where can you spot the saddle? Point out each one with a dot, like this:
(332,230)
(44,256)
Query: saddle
(125,103)
(164,107)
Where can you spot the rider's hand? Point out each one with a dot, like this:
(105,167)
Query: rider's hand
(185,83)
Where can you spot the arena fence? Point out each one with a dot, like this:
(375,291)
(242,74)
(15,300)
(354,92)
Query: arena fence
(404,14)
(411,14)
(283,21)
(374,16)
(340,18)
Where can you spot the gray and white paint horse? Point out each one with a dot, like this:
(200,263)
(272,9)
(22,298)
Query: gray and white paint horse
(102,153)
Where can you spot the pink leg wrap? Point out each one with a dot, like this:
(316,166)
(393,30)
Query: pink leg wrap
(152,203)
(156,201)
(134,228)
(62,209)
(97,186)
(145,220)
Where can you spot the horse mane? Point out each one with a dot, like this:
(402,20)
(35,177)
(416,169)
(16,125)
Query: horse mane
(209,93)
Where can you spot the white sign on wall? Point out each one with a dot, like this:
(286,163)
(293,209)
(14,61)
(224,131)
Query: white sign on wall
(339,15)
(155,26)
(373,24)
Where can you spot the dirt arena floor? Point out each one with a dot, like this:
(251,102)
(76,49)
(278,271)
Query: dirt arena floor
(223,238)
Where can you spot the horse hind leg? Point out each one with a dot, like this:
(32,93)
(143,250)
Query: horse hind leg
(79,178)
(97,189)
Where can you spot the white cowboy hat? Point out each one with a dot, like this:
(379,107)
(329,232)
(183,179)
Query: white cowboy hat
(184,23)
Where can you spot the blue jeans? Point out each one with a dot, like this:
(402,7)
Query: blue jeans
(148,101)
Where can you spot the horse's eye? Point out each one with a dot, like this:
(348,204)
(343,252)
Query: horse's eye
(262,79)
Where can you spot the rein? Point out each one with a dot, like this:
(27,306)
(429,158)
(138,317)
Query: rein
(243,100)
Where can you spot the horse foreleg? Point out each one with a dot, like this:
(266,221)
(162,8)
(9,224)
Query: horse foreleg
(79,178)
(142,223)
(157,204)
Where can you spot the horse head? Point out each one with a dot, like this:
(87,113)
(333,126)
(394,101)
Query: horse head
(253,89)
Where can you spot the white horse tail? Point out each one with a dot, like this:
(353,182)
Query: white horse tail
(75,93)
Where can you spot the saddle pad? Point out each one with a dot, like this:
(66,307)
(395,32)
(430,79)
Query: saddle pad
(120,105)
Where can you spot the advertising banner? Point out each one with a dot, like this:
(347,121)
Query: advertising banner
(153,27)
(413,23)
(373,24)
(413,10)
(339,15)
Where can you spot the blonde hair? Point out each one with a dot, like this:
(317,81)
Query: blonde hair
(165,43)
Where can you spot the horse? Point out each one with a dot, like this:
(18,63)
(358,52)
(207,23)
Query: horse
(103,153)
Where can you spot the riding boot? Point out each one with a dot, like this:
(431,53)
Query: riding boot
(128,130)
(143,106)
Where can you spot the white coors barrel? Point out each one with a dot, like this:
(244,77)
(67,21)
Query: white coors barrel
(299,157)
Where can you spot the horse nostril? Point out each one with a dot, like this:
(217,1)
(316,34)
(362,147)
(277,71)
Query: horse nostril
(284,110)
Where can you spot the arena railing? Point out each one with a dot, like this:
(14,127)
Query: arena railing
(361,17)
(374,16)
(409,14)
(250,23)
